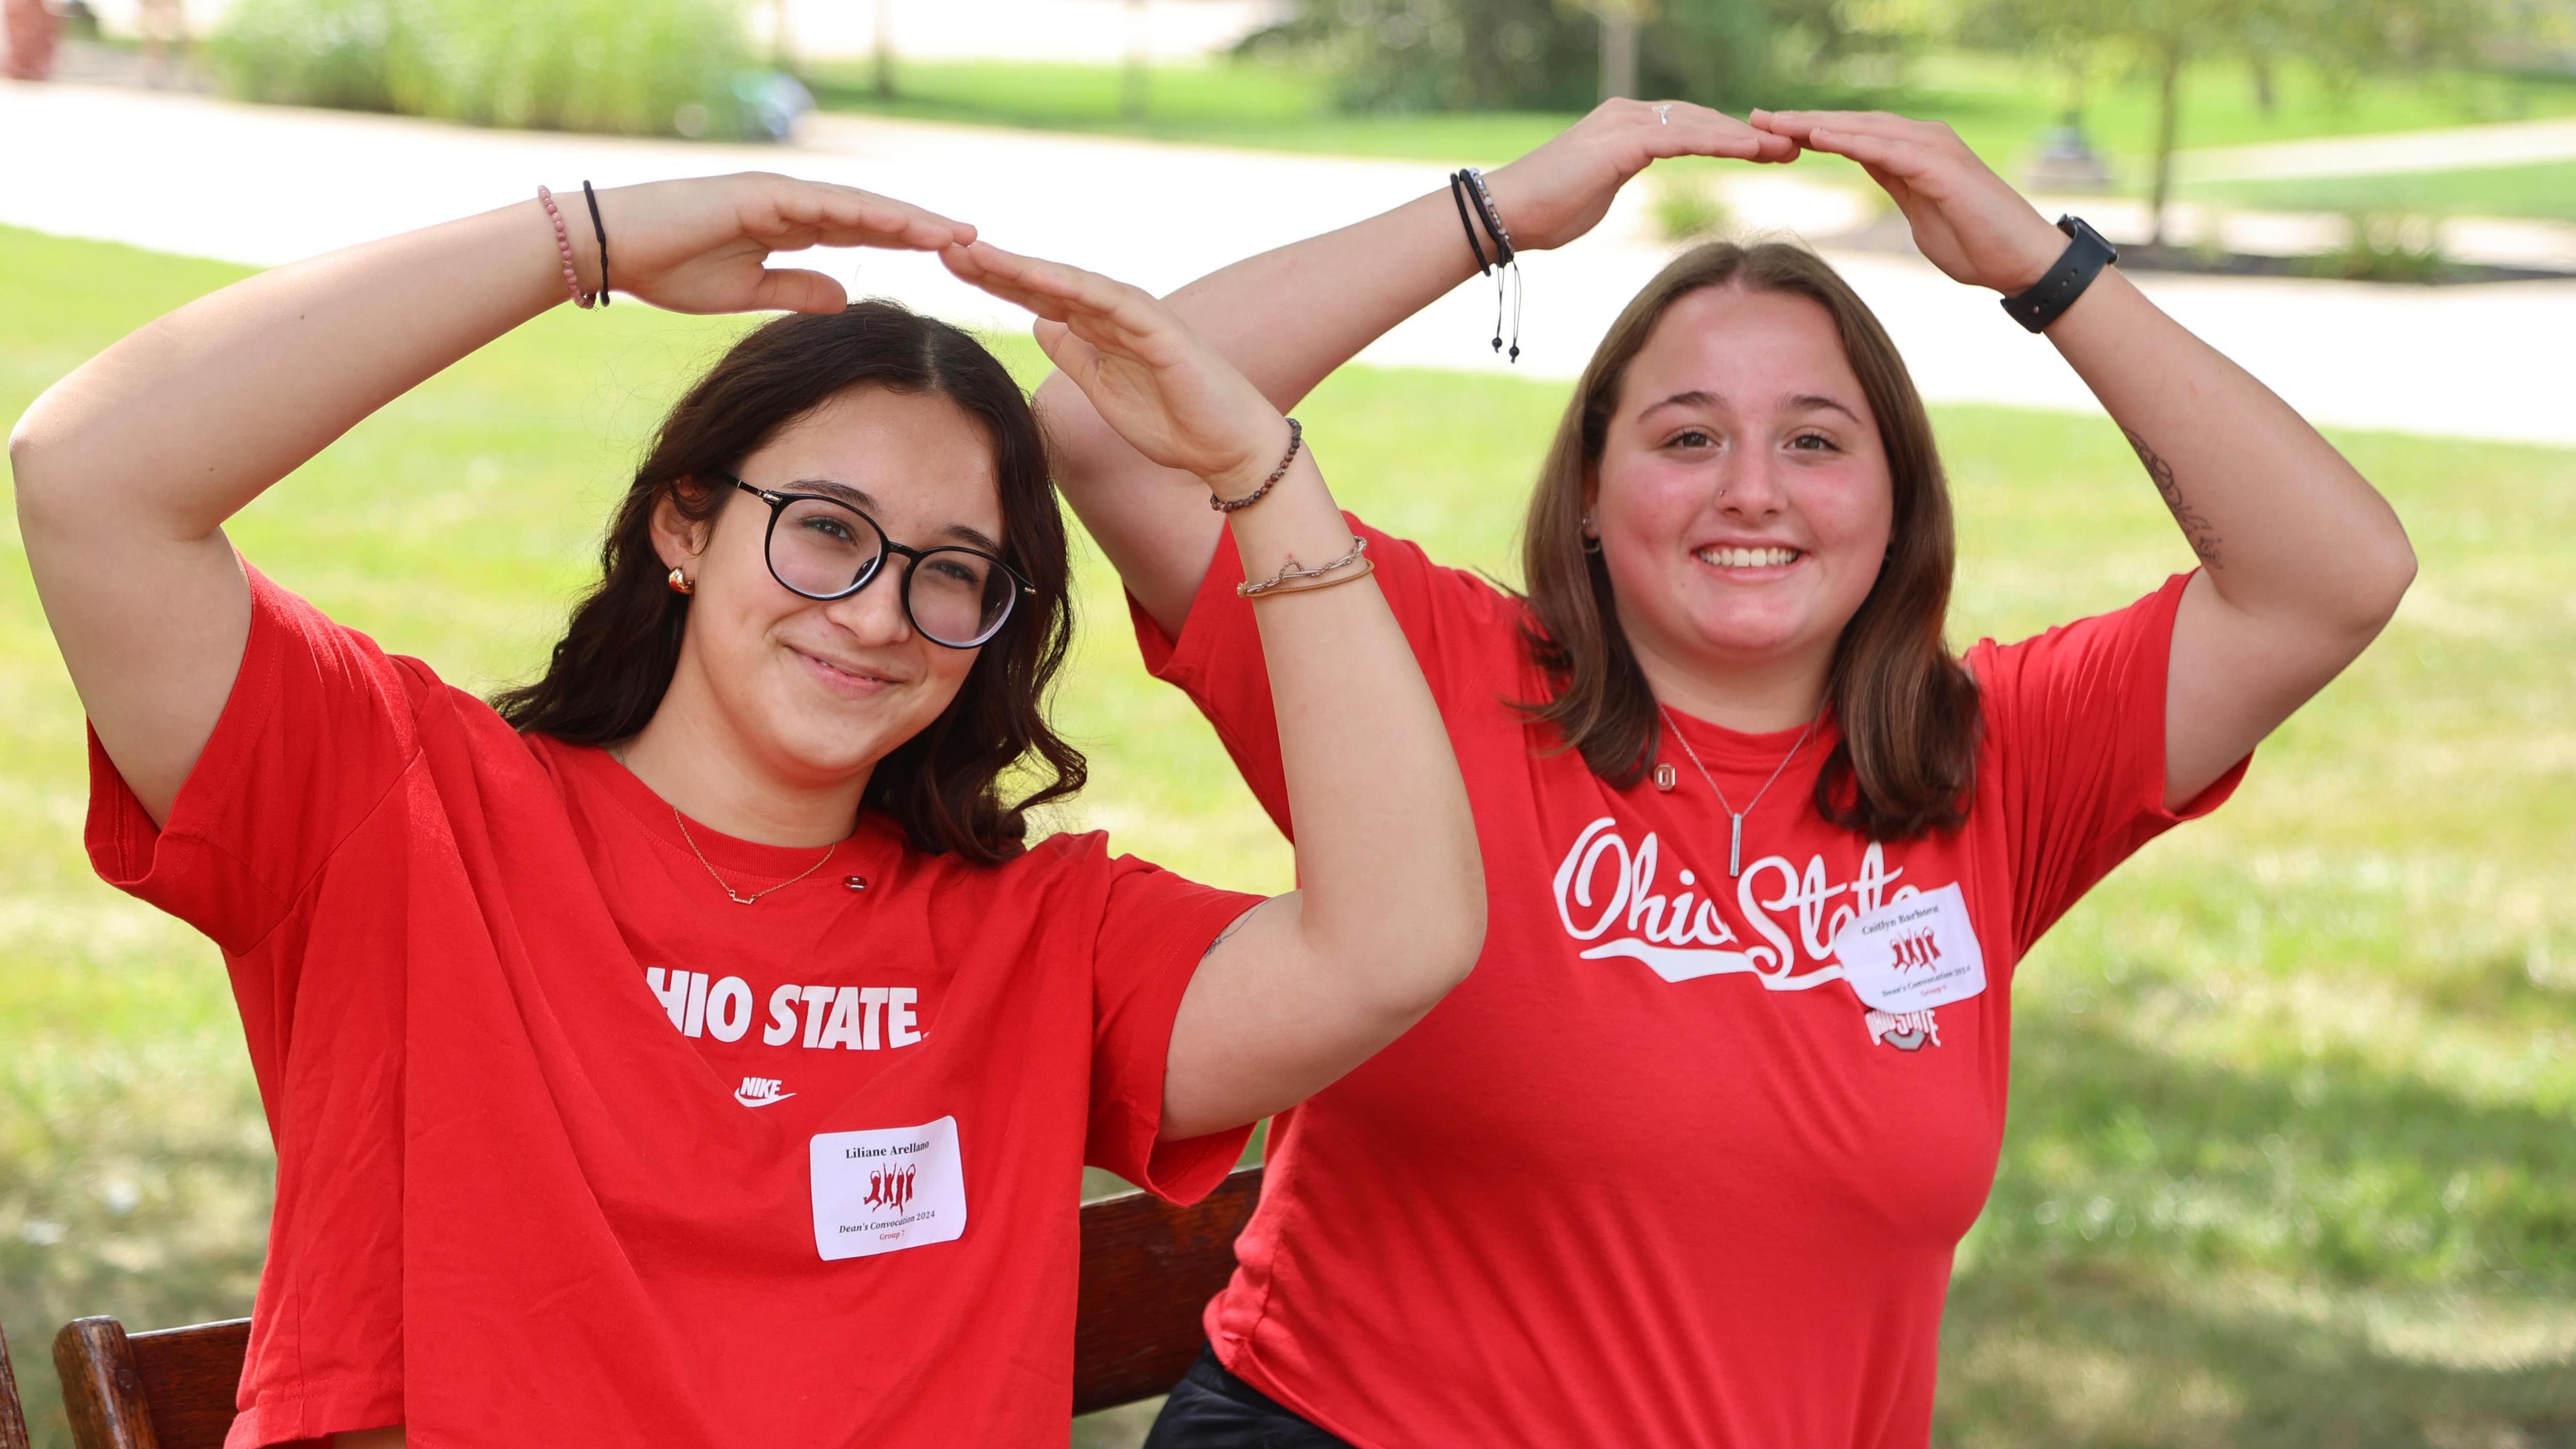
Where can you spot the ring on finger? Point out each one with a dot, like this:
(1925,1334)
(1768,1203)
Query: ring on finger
(1664,114)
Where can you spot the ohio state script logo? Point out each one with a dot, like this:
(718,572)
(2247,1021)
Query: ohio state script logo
(1609,893)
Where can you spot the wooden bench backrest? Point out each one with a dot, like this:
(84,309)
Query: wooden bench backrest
(1147,1270)
(13,1423)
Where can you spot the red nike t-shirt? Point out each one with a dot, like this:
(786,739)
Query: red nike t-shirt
(574,1149)
(1655,1175)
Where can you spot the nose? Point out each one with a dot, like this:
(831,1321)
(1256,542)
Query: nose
(875,614)
(1749,484)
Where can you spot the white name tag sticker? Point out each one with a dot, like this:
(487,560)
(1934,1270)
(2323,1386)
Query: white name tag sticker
(1913,954)
(887,1189)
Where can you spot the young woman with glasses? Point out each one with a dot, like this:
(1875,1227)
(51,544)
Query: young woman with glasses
(690,1047)
(1685,1160)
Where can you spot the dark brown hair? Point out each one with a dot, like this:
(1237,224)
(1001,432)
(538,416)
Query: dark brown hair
(1906,706)
(944,786)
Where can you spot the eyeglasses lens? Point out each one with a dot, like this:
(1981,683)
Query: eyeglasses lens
(821,549)
(959,597)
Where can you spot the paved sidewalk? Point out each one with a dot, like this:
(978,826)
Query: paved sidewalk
(264,185)
(2460,148)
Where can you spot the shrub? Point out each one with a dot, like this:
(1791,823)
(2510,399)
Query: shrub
(1686,205)
(2385,248)
(628,67)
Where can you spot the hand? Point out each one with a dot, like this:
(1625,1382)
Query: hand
(1966,219)
(1167,392)
(1563,189)
(702,245)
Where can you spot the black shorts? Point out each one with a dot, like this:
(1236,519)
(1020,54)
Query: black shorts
(1212,1409)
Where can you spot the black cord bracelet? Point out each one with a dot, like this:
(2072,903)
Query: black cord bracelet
(1463,184)
(600,227)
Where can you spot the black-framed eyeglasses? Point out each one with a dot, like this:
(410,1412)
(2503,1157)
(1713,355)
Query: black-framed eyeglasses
(824,549)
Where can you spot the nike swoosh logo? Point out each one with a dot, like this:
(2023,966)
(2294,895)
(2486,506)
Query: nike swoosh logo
(762,1101)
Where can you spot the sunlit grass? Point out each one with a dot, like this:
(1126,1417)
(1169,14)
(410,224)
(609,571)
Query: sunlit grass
(2292,1153)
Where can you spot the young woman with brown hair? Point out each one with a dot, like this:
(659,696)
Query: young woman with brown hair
(1684,1162)
(694,1049)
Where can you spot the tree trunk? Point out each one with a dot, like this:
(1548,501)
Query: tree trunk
(2265,99)
(1133,79)
(1618,54)
(885,50)
(781,47)
(2168,119)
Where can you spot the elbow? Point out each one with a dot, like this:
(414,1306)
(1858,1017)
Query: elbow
(1437,951)
(1080,443)
(33,473)
(2379,585)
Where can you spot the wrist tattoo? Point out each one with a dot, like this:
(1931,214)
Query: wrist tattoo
(2196,527)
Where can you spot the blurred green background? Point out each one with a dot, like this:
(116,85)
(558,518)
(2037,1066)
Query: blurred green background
(2292,1155)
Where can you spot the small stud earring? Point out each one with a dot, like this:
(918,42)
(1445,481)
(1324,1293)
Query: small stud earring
(680,583)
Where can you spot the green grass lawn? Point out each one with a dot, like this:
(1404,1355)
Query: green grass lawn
(2292,1156)
(2002,106)
(2545,190)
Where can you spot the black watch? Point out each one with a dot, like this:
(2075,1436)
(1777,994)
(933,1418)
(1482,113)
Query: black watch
(2073,271)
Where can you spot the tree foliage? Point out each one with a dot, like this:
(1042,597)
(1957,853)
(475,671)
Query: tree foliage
(1426,55)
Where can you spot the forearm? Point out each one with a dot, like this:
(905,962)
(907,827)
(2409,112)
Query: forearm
(1388,873)
(2283,525)
(181,424)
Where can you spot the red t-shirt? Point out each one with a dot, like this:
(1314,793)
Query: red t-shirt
(1654,1175)
(573,1149)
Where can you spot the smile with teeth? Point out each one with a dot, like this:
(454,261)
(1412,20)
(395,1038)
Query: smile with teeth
(1747,558)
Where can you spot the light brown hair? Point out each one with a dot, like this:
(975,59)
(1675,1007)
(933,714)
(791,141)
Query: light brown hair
(1906,706)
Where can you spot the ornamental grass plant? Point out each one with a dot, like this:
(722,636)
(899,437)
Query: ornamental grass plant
(624,67)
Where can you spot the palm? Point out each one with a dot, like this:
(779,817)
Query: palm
(1562,190)
(703,245)
(1967,220)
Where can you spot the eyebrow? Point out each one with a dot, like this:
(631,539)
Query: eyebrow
(1805,401)
(865,502)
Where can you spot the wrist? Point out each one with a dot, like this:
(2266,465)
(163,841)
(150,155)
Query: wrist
(2040,245)
(1265,448)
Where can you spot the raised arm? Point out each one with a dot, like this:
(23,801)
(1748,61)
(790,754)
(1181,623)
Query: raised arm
(1390,908)
(127,468)
(2302,562)
(1287,318)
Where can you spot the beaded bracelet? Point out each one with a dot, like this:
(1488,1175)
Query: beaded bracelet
(563,244)
(1296,438)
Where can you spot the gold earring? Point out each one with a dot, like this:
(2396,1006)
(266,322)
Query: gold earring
(680,583)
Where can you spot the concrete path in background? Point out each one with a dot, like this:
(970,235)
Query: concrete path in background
(263,185)
(2458,148)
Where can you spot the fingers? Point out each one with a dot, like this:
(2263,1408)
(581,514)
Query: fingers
(1678,128)
(790,290)
(847,216)
(1104,310)
(1896,156)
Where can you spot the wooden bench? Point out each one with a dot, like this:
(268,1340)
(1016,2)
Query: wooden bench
(13,1424)
(1147,1270)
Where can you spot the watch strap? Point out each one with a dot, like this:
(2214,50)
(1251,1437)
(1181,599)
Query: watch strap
(2085,256)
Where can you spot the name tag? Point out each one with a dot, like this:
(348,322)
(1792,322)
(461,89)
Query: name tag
(886,1189)
(1913,954)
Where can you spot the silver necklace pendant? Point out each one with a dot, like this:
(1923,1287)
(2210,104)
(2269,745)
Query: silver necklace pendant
(1734,845)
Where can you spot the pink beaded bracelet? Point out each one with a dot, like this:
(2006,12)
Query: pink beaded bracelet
(563,244)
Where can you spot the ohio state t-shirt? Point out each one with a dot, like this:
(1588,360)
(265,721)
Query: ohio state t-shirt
(574,1149)
(1656,1175)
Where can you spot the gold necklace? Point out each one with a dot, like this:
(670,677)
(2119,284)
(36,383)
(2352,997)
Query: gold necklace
(738,897)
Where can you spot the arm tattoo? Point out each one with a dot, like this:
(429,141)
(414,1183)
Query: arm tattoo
(1237,924)
(2196,527)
